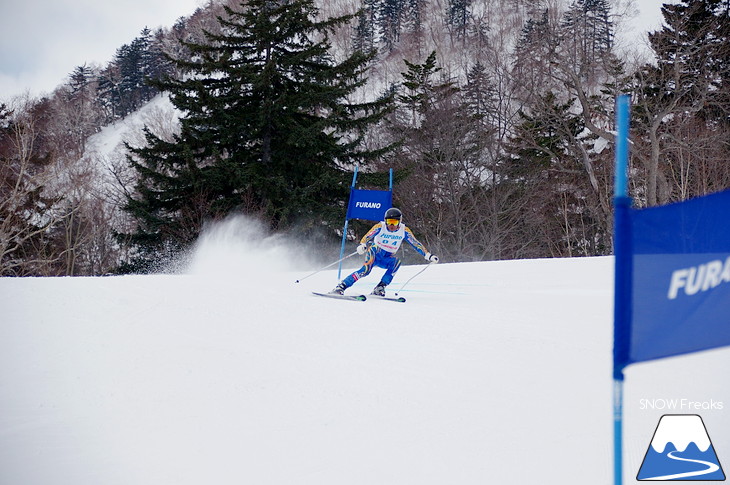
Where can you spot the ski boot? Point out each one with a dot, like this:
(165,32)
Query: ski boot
(379,290)
(339,289)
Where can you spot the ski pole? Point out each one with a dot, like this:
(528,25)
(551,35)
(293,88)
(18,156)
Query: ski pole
(329,265)
(409,280)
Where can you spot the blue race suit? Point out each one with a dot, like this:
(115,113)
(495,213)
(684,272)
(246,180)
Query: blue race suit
(382,246)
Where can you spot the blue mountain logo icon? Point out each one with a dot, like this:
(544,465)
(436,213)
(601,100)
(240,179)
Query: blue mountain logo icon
(681,450)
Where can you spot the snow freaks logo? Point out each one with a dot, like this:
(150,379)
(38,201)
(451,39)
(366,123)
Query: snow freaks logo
(681,450)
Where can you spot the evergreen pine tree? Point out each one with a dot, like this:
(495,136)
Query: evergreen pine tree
(541,166)
(421,89)
(413,17)
(694,45)
(534,57)
(80,78)
(266,128)
(684,96)
(443,151)
(364,32)
(457,15)
(390,21)
(109,93)
(586,34)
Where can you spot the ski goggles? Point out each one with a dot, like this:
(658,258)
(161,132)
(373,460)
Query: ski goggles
(392,222)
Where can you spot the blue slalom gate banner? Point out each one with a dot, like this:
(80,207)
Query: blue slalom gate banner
(671,278)
(369,205)
(681,278)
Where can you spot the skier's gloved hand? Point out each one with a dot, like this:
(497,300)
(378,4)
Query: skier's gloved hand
(362,249)
(432,258)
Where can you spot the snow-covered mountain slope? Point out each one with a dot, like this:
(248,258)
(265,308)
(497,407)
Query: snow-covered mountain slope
(231,373)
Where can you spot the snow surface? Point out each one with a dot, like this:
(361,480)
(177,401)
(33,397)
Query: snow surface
(231,373)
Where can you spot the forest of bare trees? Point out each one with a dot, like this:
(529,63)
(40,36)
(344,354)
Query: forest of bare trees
(500,128)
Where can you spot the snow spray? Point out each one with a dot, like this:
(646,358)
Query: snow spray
(241,245)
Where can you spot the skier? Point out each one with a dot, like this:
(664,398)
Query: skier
(379,246)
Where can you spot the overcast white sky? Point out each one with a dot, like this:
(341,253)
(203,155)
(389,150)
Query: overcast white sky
(42,41)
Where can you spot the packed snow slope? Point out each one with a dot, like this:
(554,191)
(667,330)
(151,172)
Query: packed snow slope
(229,372)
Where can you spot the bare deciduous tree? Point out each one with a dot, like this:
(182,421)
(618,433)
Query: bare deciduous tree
(26,210)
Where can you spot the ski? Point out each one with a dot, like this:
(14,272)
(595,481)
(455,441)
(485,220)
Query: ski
(399,299)
(341,297)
